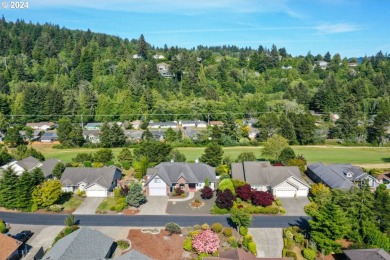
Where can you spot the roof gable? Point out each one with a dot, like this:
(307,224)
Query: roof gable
(8,245)
(104,176)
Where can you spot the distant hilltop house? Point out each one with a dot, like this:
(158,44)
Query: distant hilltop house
(134,135)
(163,70)
(167,176)
(136,124)
(253,133)
(322,64)
(158,57)
(250,121)
(340,176)
(136,56)
(41,125)
(189,123)
(286,67)
(34,136)
(171,124)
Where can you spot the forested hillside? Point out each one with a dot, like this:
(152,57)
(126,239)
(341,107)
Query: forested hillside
(47,72)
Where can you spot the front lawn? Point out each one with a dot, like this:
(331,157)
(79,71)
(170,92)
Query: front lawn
(112,204)
(73,203)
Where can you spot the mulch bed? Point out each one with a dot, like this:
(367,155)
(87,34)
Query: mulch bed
(130,211)
(161,246)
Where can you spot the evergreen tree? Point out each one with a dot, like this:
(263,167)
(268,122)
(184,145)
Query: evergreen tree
(37,176)
(382,207)
(287,129)
(230,127)
(58,169)
(119,138)
(136,196)
(24,189)
(268,125)
(142,47)
(147,135)
(285,155)
(68,134)
(8,186)
(170,135)
(212,155)
(125,155)
(105,137)
(155,152)
(13,137)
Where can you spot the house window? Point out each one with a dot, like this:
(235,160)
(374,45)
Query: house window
(182,186)
(157,180)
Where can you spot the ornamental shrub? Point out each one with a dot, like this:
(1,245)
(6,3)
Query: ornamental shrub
(227,232)
(262,198)
(173,228)
(252,248)
(244,192)
(217,227)
(218,210)
(192,234)
(205,226)
(288,234)
(238,183)
(225,199)
(118,193)
(206,242)
(3,228)
(187,245)
(179,191)
(206,193)
(309,254)
(243,231)
(298,238)
(126,165)
(226,184)
(278,202)
(123,244)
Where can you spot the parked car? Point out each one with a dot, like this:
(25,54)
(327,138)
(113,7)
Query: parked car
(24,235)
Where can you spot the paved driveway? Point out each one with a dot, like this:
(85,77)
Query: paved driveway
(88,206)
(156,205)
(294,206)
(269,241)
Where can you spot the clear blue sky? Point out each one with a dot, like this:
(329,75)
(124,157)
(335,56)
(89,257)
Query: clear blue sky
(352,28)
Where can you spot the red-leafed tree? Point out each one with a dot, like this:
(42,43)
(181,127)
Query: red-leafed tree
(225,199)
(262,198)
(244,192)
(277,164)
(207,193)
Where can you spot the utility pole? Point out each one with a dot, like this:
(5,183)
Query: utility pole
(82,122)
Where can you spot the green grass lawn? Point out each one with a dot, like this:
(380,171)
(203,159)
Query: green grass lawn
(107,204)
(326,153)
(73,203)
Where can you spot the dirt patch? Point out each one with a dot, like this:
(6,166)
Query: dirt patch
(298,251)
(160,246)
(130,211)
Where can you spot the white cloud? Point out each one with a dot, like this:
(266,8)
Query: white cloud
(337,28)
(174,6)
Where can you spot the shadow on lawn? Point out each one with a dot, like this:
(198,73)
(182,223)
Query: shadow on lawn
(387,160)
(66,196)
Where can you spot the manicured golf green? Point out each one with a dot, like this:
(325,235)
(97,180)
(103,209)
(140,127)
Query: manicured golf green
(325,154)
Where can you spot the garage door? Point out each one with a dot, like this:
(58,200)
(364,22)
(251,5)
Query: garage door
(157,192)
(96,193)
(302,192)
(284,193)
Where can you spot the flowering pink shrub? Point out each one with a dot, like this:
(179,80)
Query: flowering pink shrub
(206,241)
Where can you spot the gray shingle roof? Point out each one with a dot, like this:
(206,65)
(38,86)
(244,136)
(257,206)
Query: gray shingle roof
(171,172)
(367,254)
(49,136)
(48,166)
(261,173)
(102,176)
(28,163)
(133,255)
(335,175)
(84,243)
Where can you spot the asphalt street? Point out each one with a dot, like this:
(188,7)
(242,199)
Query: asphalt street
(146,220)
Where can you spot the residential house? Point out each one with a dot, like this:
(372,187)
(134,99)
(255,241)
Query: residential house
(339,176)
(384,179)
(163,70)
(48,137)
(249,122)
(366,254)
(41,125)
(197,123)
(36,134)
(9,247)
(353,64)
(136,56)
(48,166)
(162,179)
(27,164)
(93,126)
(134,135)
(172,124)
(133,255)
(92,136)
(217,123)
(253,133)
(96,182)
(136,124)
(84,243)
(281,181)
(286,67)
(191,133)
